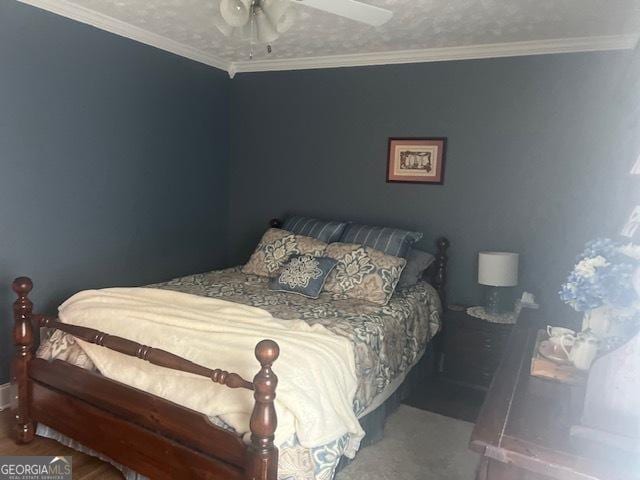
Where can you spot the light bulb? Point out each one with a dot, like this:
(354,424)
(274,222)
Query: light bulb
(234,12)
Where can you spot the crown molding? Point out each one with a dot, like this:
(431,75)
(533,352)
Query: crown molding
(124,29)
(495,50)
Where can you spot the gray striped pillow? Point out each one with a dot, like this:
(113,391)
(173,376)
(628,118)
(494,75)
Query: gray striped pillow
(391,241)
(322,230)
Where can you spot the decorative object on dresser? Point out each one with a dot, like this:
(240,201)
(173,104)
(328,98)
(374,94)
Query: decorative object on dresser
(471,347)
(601,286)
(416,160)
(497,270)
(524,428)
(611,409)
(550,361)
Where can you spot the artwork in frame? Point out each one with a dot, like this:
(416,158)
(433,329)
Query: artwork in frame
(417,160)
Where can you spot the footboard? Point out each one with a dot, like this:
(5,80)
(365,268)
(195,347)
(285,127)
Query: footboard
(153,436)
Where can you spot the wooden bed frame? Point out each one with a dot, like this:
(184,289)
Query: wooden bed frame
(155,437)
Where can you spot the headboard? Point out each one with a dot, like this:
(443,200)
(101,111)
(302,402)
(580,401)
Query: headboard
(436,274)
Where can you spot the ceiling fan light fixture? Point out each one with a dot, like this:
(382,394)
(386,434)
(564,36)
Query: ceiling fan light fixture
(287,20)
(235,12)
(224,27)
(266,31)
(275,9)
(242,33)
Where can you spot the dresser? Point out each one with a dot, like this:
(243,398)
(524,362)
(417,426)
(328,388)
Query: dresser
(471,348)
(524,428)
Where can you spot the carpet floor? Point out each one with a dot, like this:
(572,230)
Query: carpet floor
(417,445)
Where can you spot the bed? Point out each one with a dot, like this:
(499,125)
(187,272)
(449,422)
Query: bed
(63,395)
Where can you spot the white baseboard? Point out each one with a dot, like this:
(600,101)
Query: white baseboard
(4,396)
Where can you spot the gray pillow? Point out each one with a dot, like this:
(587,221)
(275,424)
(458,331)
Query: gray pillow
(417,262)
(392,241)
(325,231)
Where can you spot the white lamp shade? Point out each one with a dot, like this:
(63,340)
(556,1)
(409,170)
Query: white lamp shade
(498,269)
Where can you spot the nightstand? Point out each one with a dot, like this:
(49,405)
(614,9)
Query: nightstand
(471,348)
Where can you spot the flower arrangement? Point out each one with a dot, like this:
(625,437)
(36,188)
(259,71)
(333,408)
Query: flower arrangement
(603,276)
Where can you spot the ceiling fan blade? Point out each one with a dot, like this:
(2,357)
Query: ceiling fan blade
(358,11)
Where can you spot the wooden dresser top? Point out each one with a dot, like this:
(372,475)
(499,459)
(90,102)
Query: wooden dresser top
(526,421)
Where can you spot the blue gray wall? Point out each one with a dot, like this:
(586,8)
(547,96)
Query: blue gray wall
(537,163)
(121,164)
(113,161)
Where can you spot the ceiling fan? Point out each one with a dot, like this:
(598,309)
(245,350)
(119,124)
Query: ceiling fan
(263,21)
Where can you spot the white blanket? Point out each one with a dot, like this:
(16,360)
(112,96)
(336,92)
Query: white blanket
(316,369)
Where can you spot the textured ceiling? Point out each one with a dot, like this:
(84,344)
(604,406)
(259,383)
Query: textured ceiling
(417,24)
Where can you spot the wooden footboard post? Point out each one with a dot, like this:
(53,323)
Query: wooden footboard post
(263,455)
(23,341)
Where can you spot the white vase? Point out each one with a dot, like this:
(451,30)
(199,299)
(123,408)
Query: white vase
(598,320)
(605,321)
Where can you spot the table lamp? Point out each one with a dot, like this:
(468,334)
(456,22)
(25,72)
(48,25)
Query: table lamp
(497,270)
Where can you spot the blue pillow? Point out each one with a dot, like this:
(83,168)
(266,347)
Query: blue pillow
(392,241)
(304,275)
(324,231)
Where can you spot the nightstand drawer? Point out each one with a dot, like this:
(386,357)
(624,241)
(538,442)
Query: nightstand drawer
(471,367)
(478,341)
(471,348)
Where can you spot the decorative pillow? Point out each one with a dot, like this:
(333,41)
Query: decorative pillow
(325,231)
(276,247)
(363,273)
(391,241)
(304,275)
(417,262)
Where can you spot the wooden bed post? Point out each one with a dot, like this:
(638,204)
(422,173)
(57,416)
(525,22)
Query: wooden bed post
(23,341)
(275,223)
(440,275)
(263,455)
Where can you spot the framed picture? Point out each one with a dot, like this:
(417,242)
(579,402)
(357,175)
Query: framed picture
(417,160)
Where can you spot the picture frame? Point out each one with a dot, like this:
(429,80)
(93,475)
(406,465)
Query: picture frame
(416,160)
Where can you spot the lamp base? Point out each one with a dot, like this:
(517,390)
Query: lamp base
(496,301)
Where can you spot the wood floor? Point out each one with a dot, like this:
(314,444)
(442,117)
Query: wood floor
(84,466)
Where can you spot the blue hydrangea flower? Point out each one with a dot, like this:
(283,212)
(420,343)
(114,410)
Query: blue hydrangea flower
(602,276)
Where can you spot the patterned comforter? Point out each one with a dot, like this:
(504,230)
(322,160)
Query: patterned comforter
(387,341)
